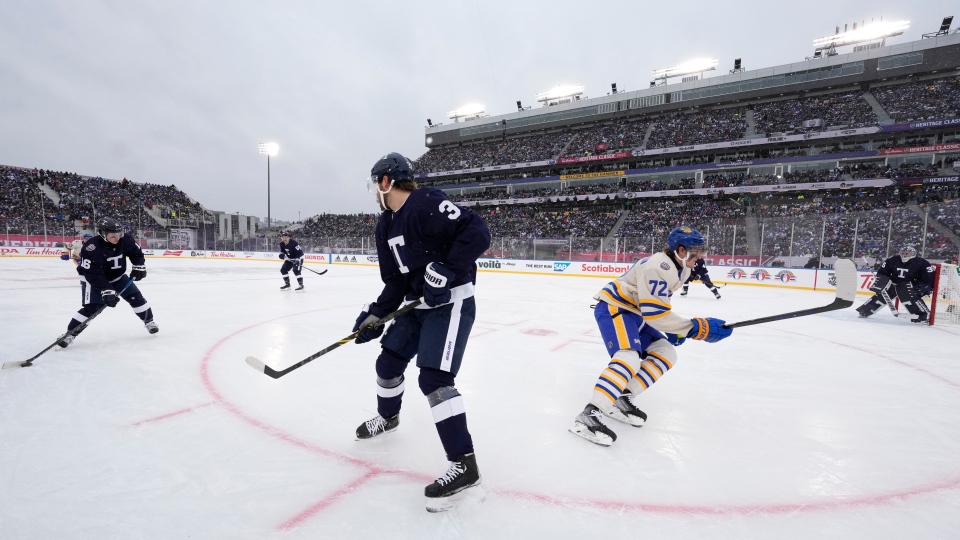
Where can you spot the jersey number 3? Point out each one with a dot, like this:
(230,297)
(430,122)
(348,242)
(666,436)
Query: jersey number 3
(450,209)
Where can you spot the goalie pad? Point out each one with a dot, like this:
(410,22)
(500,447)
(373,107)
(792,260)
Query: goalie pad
(911,299)
(882,283)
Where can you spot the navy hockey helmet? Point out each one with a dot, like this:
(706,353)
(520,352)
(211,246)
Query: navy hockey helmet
(109,225)
(907,253)
(395,166)
(687,237)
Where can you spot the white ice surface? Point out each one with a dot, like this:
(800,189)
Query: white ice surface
(820,427)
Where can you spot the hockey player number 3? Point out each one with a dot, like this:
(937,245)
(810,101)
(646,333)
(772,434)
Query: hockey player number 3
(450,209)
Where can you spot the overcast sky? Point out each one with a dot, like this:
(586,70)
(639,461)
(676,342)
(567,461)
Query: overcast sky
(181,91)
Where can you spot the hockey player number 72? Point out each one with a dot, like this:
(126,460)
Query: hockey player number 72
(663,287)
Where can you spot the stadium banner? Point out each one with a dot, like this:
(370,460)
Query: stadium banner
(917,149)
(760,140)
(600,157)
(35,240)
(928,180)
(591,175)
(774,188)
(944,122)
(183,238)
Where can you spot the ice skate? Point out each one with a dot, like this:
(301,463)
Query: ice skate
(299,287)
(66,341)
(450,488)
(684,291)
(152,327)
(923,318)
(626,411)
(716,292)
(286,287)
(589,425)
(377,425)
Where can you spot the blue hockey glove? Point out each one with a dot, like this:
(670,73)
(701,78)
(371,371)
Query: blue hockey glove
(139,272)
(64,257)
(436,285)
(675,340)
(709,329)
(110,297)
(371,314)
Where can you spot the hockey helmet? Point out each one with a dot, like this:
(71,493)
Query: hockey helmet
(284,234)
(86,236)
(687,237)
(395,166)
(907,253)
(109,225)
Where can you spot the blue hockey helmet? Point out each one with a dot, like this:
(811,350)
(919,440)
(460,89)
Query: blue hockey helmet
(687,237)
(907,252)
(109,225)
(395,166)
(86,236)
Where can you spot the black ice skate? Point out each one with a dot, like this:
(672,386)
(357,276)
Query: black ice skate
(626,411)
(299,287)
(377,425)
(445,491)
(716,292)
(65,342)
(864,311)
(684,292)
(923,318)
(286,287)
(152,327)
(589,425)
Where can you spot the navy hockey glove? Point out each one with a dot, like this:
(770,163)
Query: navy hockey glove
(64,257)
(436,285)
(282,256)
(709,329)
(925,290)
(675,340)
(110,297)
(139,272)
(371,314)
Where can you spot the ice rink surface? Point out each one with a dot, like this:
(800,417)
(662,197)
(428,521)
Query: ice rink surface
(820,427)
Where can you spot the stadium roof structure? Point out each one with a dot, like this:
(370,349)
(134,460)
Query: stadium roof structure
(936,54)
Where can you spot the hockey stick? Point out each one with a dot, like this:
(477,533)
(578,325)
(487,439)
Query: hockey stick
(315,272)
(889,301)
(846,274)
(263,368)
(74,332)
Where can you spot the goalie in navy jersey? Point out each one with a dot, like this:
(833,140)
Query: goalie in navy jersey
(102,269)
(427,247)
(904,276)
(699,273)
(292,257)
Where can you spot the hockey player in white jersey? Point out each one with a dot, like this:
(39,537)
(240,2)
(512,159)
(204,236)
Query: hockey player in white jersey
(640,332)
(71,250)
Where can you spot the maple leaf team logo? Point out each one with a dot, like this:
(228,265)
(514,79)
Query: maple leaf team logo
(760,275)
(786,276)
(737,273)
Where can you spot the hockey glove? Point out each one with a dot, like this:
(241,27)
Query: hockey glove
(709,329)
(64,257)
(881,283)
(675,340)
(139,272)
(370,315)
(925,290)
(436,285)
(282,256)
(110,297)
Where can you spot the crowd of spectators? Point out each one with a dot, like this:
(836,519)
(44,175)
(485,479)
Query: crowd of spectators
(22,204)
(545,221)
(923,100)
(848,109)
(700,127)
(905,170)
(538,147)
(619,136)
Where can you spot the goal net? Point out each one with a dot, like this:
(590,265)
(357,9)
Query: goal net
(945,301)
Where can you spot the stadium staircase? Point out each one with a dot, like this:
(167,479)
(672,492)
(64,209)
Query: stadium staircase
(751,126)
(50,193)
(564,149)
(155,214)
(928,212)
(646,136)
(616,226)
(753,234)
(882,117)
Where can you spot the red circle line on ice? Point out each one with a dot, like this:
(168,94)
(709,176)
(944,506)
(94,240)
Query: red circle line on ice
(372,470)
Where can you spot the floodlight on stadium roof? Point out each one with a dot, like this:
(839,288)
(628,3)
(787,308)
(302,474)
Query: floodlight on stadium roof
(560,92)
(471,110)
(689,67)
(869,32)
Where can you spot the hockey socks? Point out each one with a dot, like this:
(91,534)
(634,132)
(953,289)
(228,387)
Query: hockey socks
(450,417)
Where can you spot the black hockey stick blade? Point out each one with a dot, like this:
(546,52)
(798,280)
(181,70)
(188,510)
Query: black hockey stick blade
(845,272)
(74,332)
(267,370)
(315,272)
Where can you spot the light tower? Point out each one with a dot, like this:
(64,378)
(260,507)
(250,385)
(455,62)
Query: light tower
(270,149)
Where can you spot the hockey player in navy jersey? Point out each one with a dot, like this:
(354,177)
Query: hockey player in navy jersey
(904,276)
(641,332)
(427,247)
(292,257)
(699,273)
(103,266)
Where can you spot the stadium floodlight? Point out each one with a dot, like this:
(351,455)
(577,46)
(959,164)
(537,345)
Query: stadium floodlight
(467,112)
(689,67)
(270,149)
(944,28)
(560,93)
(869,32)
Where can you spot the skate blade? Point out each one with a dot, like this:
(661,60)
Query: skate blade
(596,438)
(629,420)
(469,496)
